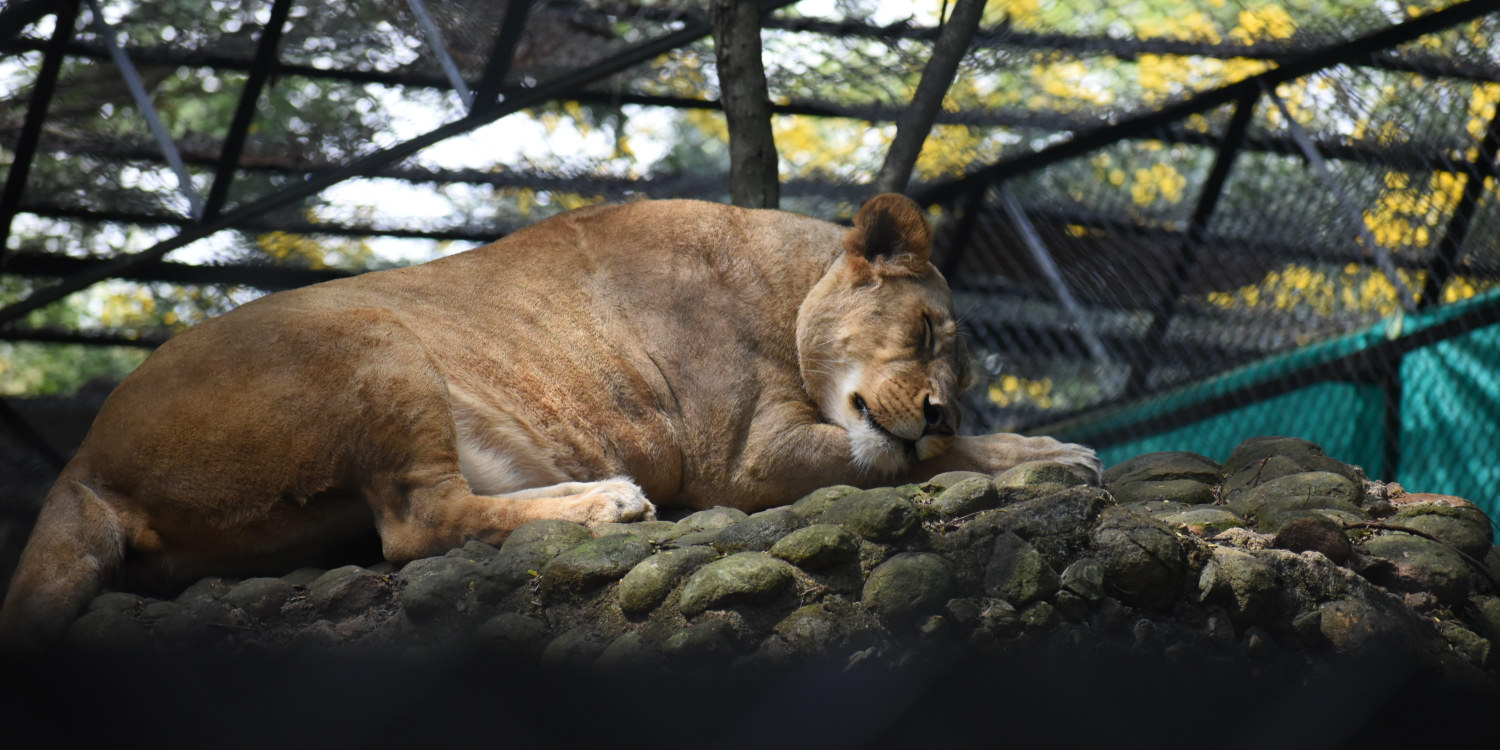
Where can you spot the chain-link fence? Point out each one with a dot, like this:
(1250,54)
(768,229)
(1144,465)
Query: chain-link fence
(1169,225)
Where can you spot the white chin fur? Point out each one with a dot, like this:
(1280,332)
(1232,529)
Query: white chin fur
(875,453)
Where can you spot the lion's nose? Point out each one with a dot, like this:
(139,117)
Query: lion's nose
(936,417)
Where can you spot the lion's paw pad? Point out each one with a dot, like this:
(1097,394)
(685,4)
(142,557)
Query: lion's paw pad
(616,500)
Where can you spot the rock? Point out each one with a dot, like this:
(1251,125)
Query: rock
(1311,490)
(969,493)
(1163,466)
(118,601)
(347,591)
(1085,578)
(649,582)
(514,635)
(1244,583)
(1465,642)
(1417,564)
(880,515)
(817,546)
(1451,519)
(1185,491)
(108,631)
(746,577)
(438,586)
(260,598)
(1017,572)
(540,541)
(652,531)
(209,588)
(575,649)
(947,479)
(1040,474)
(475,550)
(812,505)
(1315,534)
(628,651)
(1039,616)
(809,631)
(1202,521)
(594,563)
(908,586)
(303,576)
(712,519)
(707,639)
(758,532)
(1256,461)
(1353,626)
(1143,561)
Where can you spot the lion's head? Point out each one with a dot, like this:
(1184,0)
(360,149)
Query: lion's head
(878,344)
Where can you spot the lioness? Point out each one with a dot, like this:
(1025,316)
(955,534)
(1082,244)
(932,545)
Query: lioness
(674,352)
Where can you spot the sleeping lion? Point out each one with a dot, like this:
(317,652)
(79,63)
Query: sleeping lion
(591,367)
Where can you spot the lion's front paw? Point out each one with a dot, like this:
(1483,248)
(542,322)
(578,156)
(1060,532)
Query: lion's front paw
(999,452)
(1081,456)
(616,500)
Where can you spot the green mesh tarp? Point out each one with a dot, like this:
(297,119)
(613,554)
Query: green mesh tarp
(1449,406)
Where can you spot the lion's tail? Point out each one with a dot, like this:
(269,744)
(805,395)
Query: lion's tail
(78,543)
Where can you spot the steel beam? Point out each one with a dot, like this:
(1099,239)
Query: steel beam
(502,55)
(36,115)
(1189,247)
(244,112)
(148,110)
(434,38)
(1451,248)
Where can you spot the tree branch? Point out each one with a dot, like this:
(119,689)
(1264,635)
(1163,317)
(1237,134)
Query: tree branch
(916,121)
(754,182)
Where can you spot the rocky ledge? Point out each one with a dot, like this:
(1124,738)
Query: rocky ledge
(1281,562)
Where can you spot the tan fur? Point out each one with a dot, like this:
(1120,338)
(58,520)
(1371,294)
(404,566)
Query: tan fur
(690,353)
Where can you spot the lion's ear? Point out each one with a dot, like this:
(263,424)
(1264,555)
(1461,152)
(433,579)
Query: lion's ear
(890,237)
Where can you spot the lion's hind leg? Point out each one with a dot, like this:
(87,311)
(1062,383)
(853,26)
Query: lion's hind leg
(435,519)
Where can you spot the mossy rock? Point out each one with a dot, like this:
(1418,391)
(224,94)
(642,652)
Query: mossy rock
(1017,572)
(540,541)
(818,546)
(880,515)
(758,532)
(1257,461)
(908,586)
(348,590)
(594,563)
(1310,490)
(1415,564)
(1453,520)
(937,484)
(1144,562)
(649,582)
(260,598)
(438,586)
(813,504)
(1032,474)
(1184,491)
(970,492)
(746,577)
(1207,520)
(1164,466)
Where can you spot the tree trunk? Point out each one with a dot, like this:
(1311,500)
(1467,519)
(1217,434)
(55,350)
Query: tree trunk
(754,182)
(916,121)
